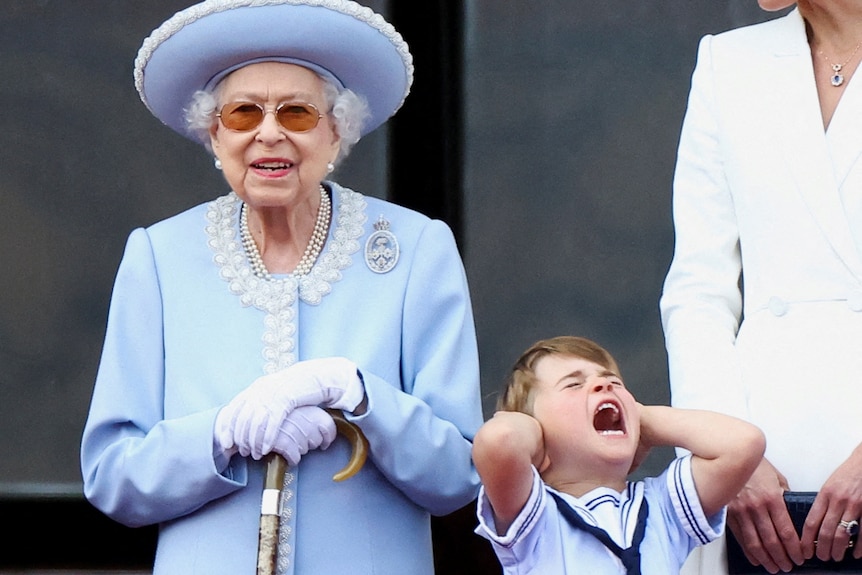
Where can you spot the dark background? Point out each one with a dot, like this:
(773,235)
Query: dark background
(544,133)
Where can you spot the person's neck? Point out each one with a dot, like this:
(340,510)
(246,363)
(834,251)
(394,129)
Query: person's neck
(834,29)
(282,234)
(834,26)
(582,486)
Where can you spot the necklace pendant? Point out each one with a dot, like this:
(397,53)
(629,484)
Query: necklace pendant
(837,78)
(381,248)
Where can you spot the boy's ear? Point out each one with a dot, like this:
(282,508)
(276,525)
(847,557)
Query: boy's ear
(640,456)
(545,464)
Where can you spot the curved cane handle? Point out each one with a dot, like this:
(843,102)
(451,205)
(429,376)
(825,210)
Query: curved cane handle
(356,438)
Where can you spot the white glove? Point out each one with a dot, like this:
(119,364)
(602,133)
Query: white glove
(306,428)
(252,419)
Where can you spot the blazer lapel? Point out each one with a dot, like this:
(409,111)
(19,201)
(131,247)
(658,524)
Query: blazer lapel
(845,130)
(801,138)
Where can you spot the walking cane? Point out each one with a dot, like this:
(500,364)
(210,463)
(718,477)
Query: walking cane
(270,505)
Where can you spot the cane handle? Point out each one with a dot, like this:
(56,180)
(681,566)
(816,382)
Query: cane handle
(357,440)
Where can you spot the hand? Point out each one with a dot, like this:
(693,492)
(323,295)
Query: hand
(304,429)
(253,418)
(839,499)
(758,518)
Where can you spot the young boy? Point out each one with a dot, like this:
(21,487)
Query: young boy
(554,462)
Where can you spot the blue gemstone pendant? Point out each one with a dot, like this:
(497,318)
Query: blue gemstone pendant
(837,77)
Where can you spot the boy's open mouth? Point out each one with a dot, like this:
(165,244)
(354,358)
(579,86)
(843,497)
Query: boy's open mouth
(608,420)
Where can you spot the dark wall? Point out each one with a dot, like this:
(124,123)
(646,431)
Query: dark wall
(572,118)
(82,162)
(543,132)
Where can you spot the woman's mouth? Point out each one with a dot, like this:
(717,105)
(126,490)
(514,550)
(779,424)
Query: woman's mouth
(272,166)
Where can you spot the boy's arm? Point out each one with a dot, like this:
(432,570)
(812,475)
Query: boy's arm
(725,450)
(504,450)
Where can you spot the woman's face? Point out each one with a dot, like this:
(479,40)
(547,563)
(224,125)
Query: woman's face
(269,165)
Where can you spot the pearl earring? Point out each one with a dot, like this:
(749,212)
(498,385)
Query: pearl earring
(330,167)
(217,163)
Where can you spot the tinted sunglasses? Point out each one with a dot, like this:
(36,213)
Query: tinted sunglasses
(292,116)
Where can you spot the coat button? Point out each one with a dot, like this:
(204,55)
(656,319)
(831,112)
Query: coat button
(777,306)
(854,301)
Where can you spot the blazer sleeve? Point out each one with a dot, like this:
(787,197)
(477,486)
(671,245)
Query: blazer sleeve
(423,430)
(701,303)
(139,468)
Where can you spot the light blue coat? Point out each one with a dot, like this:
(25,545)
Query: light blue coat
(189,327)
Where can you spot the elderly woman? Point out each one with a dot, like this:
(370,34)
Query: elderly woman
(234,324)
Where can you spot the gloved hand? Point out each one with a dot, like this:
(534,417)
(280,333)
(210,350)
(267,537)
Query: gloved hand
(304,429)
(254,416)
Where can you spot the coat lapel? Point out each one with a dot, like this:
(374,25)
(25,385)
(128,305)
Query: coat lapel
(845,131)
(801,138)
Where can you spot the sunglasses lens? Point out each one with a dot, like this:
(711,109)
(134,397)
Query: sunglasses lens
(241,116)
(298,117)
(245,116)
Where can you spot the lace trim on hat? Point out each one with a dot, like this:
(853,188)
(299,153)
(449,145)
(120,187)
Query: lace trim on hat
(277,298)
(198,11)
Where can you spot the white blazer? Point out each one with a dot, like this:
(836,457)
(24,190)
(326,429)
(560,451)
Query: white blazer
(764,196)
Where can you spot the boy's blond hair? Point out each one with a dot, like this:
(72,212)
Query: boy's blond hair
(518,392)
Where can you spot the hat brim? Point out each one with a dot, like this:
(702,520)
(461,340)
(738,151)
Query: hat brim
(337,38)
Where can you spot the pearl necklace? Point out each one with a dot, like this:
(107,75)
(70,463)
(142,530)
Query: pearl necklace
(312,250)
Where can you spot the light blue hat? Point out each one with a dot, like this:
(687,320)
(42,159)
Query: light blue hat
(339,39)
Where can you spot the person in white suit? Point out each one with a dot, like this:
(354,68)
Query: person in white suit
(762,304)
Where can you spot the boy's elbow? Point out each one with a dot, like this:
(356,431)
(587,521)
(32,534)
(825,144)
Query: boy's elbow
(753,445)
(498,445)
(493,441)
(756,441)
